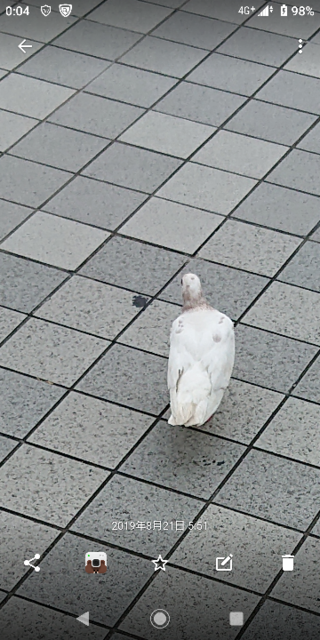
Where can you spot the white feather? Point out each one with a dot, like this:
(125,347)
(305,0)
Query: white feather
(200,364)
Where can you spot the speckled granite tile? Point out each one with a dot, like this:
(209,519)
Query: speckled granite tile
(293,90)
(132,167)
(124,500)
(316,38)
(30,96)
(227,289)
(97,40)
(151,331)
(279,310)
(248,247)
(287,493)
(294,432)
(231,74)
(171,225)
(21,538)
(23,402)
(99,116)
(280,622)
(299,170)
(130,14)
(54,240)
(188,599)
(301,269)
(22,618)
(133,265)
(10,216)
(16,176)
(63,67)
(9,320)
(229,532)
(241,154)
(73,592)
(259,46)
(316,529)
(311,142)
(167,134)
(59,147)
(36,482)
(308,387)
(269,360)
(243,411)
(92,430)
(6,445)
(196,31)
(138,87)
(121,374)
(206,188)
(301,586)
(24,284)
(50,352)
(90,306)
(200,104)
(96,203)
(280,208)
(168,58)
(287,124)
(183,459)
(316,235)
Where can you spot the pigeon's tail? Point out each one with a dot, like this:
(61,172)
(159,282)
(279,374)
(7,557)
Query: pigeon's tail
(181,415)
(189,403)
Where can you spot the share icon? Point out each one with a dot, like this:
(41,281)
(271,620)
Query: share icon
(28,563)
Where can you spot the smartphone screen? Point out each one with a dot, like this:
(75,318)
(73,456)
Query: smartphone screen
(142,141)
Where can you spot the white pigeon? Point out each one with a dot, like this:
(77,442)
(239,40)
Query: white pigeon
(201,357)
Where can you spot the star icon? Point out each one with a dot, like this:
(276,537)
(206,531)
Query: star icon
(159,563)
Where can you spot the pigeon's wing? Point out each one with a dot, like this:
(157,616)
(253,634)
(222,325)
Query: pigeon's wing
(180,358)
(206,340)
(219,360)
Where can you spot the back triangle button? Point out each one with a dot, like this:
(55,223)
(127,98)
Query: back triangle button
(84,618)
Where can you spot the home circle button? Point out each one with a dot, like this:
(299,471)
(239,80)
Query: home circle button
(159,619)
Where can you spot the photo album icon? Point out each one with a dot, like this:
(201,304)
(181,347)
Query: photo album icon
(65,9)
(96,562)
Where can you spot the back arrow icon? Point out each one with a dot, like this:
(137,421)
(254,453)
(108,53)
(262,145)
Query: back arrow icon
(22,45)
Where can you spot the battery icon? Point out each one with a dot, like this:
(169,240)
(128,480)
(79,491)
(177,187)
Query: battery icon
(283,10)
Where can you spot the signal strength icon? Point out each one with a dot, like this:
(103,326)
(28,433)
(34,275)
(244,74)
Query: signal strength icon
(265,11)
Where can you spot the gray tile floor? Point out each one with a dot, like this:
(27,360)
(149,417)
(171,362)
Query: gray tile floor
(140,140)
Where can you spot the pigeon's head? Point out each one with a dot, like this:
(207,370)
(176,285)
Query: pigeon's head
(191,289)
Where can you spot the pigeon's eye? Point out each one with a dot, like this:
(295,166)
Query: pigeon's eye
(181,281)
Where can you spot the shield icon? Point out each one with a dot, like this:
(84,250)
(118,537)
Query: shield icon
(45,10)
(65,9)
